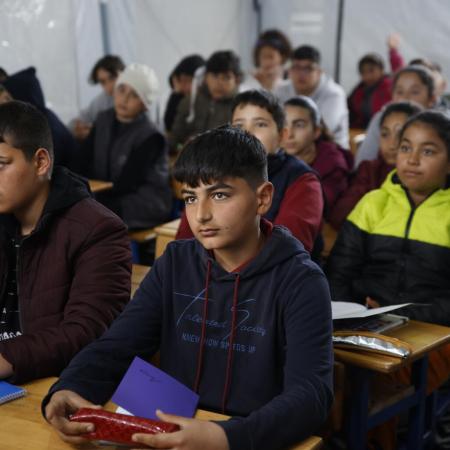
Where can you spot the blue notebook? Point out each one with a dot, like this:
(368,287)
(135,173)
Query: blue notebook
(10,392)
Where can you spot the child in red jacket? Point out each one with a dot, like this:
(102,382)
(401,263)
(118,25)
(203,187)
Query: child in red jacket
(371,174)
(309,140)
(375,87)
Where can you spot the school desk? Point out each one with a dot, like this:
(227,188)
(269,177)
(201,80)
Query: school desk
(165,233)
(423,338)
(23,427)
(138,273)
(99,185)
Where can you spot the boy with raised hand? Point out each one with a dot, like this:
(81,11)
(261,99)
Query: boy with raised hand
(64,258)
(298,200)
(240,314)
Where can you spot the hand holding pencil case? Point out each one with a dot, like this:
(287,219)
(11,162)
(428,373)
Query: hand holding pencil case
(119,428)
(371,342)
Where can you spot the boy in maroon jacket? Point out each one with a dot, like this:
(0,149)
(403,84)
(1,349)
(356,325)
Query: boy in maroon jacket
(64,258)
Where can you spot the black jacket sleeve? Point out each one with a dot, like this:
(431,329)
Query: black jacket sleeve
(346,262)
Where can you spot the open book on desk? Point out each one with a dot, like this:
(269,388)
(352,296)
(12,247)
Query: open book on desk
(356,317)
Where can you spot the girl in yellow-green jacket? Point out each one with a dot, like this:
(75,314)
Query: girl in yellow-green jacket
(395,245)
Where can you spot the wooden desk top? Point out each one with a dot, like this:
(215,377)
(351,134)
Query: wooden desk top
(138,273)
(423,338)
(169,228)
(23,427)
(98,185)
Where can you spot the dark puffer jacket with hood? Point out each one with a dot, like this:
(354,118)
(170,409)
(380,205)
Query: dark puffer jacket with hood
(272,319)
(73,278)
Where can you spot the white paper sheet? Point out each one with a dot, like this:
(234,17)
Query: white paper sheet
(349,310)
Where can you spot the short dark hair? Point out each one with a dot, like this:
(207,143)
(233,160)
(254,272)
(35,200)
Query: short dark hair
(434,119)
(3,74)
(407,108)
(25,127)
(224,61)
(306,52)
(111,63)
(263,99)
(220,153)
(422,72)
(373,59)
(275,39)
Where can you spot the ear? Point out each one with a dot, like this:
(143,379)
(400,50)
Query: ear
(43,162)
(264,195)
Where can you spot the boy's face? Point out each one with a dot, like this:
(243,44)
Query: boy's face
(182,83)
(305,76)
(269,59)
(389,136)
(20,179)
(259,122)
(301,131)
(422,160)
(106,80)
(409,87)
(371,74)
(221,85)
(225,214)
(127,103)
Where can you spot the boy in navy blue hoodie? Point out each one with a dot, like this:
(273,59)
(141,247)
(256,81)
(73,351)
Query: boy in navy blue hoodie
(240,314)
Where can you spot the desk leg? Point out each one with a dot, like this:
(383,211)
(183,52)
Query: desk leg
(417,413)
(359,409)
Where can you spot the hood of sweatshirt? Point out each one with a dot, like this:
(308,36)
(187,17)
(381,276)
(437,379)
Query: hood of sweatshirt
(25,86)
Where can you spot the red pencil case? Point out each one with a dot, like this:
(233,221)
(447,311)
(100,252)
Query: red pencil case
(118,428)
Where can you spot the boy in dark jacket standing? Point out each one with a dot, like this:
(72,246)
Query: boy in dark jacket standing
(241,314)
(126,148)
(64,259)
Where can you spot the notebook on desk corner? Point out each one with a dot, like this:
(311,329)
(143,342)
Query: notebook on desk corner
(10,392)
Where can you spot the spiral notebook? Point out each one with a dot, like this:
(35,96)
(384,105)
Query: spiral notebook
(10,392)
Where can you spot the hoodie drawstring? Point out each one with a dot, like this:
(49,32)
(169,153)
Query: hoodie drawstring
(203,335)
(226,387)
(228,373)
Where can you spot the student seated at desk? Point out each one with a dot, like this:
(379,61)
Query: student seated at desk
(240,314)
(298,200)
(371,174)
(65,261)
(310,141)
(395,245)
(126,148)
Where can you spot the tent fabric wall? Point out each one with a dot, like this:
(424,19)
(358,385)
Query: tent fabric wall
(64,38)
(41,33)
(159,32)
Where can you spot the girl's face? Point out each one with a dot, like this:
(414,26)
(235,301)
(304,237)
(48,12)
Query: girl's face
(389,136)
(409,87)
(269,59)
(302,133)
(422,160)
